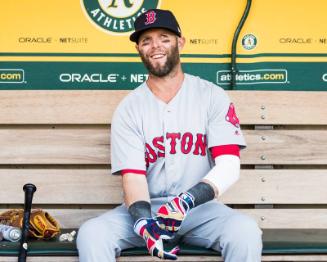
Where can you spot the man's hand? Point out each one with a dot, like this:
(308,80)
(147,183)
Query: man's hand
(171,215)
(152,234)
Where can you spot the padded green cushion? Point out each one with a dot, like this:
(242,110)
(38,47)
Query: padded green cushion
(295,241)
(275,242)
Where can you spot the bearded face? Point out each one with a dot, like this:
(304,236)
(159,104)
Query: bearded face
(161,61)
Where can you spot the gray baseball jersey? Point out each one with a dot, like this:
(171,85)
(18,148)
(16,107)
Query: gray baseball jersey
(170,143)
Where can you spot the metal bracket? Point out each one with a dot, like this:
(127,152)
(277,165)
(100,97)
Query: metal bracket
(263,206)
(263,180)
(263,127)
(263,167)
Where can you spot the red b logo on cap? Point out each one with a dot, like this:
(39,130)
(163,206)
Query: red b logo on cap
(150,17)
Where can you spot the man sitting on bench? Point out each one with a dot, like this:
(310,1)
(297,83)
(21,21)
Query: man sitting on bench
(176,142)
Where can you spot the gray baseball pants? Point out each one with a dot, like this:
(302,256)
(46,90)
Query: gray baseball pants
(211,225)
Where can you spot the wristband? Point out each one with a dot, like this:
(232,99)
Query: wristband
(202,193)
(140,209)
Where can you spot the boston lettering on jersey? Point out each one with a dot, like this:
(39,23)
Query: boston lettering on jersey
(188,144)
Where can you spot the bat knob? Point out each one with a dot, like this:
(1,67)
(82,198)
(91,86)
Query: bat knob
(29,187)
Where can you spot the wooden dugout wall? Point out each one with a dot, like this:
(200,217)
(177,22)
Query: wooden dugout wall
(60,141)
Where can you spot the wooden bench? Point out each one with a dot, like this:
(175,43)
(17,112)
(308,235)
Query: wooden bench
(60,141)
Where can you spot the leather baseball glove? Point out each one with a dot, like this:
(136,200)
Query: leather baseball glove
(42,224)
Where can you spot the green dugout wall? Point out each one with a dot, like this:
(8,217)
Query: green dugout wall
(83,44)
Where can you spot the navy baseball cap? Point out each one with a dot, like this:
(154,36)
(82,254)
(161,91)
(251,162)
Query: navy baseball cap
(155,18)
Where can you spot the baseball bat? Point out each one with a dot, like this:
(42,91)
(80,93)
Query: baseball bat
(29,190)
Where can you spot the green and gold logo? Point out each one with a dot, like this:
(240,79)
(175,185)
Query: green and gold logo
(249,41)
(116,16)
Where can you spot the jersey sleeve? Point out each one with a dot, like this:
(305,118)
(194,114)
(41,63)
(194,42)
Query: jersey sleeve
(127,146)
(223,123)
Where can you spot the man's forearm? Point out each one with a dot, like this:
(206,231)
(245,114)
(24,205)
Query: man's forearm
(136,195)
(135,188)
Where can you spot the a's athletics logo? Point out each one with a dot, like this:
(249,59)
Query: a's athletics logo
(249,41)
(116,16)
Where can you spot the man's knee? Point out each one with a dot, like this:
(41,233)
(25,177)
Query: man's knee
(94,243)
(242,231)
(91,233)
(85,232)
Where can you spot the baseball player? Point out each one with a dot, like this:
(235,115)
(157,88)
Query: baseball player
(176,143)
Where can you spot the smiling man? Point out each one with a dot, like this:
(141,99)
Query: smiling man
(176,143)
